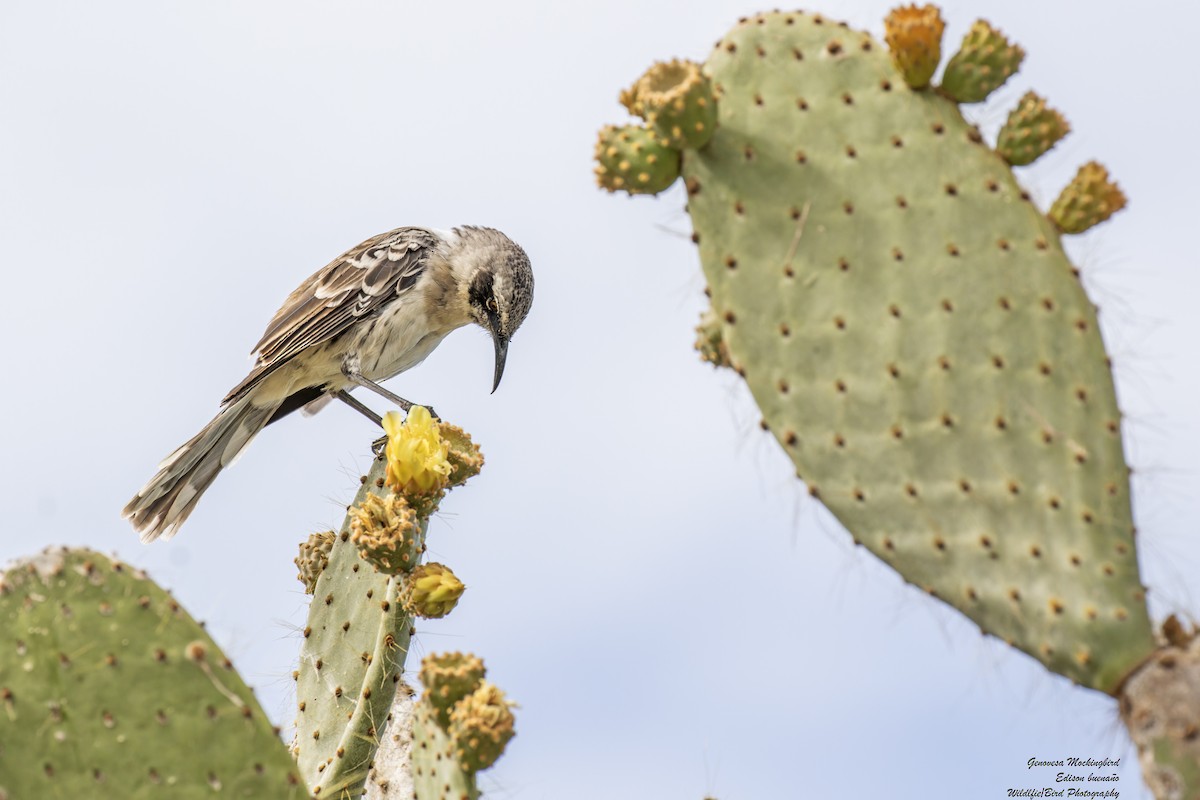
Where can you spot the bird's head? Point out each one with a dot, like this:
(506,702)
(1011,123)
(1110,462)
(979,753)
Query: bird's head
(499,288)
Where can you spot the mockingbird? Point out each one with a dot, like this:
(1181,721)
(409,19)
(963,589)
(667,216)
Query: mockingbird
(375,311)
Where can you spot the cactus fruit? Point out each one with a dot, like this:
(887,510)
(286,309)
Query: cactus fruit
(1032,128)
(635,160)
(676,100)
(481,726)
(384,531)
(914,35)
(465,459)
(107,686)
(915,336)
(448,678)
(314,557)
(1089,199)
(461,725)
(982,64)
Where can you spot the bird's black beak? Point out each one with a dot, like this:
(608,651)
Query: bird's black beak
(501,342)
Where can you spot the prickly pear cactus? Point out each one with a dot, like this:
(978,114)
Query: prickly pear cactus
(358,632)
(353,654)
(107,687)
(914,334)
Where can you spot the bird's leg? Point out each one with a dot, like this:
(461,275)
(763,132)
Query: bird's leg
(345,397)
(377,445)
(350,370)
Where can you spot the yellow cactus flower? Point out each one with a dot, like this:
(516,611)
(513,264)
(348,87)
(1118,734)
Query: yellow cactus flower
(417,463)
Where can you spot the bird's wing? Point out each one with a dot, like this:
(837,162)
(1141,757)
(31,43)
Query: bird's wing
(354,285)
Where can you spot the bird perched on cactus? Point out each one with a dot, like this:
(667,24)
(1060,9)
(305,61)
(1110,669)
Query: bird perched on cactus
(375,311)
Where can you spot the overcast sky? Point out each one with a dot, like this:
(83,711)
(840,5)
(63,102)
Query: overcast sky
(646,577)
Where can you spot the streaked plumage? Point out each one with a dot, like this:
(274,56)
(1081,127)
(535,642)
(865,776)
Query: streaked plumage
(379,309)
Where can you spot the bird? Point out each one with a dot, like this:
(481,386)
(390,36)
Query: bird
(373,312)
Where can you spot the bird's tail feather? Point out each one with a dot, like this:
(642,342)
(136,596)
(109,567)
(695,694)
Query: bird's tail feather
(168,498)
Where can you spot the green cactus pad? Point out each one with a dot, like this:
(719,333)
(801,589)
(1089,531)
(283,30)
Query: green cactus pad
(914,35)
(918,341)
(1032,129)
(436,772)
(676,99)
(448,678)
(633,159)
(314,556)
(1089,199)
(982,64)
(350,662)
(108,689)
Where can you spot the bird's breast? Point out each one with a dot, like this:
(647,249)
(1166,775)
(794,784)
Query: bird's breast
(398,339)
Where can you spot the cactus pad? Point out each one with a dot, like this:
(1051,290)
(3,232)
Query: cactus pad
(351,660)
(108,686)
(436,772)
(916,338)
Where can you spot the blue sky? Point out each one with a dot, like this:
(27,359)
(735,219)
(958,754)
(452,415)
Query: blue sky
(674,614)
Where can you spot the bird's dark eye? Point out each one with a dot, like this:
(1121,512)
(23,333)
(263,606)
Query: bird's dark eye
(491,305)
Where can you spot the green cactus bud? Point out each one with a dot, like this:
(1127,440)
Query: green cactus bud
(1089,199)
(448,678)
(982,64)
(314,556)
(385,532)
(676,99)
(914,35)
(431,591)
(633,159)
(481,726)
(1032,129)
